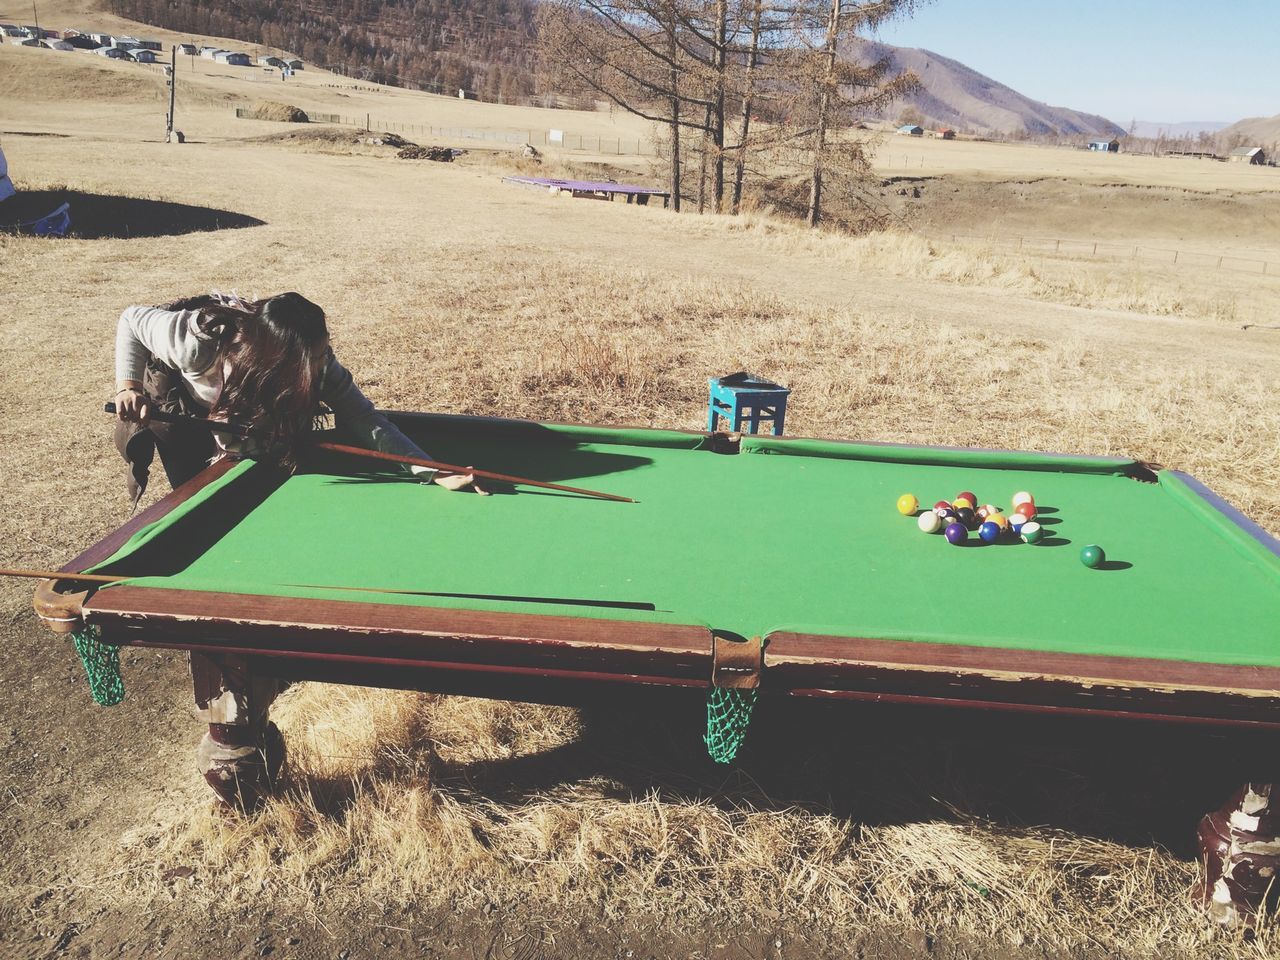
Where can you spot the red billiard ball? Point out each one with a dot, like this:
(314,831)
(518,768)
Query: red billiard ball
(1027,509)
(968,495)
(941,505)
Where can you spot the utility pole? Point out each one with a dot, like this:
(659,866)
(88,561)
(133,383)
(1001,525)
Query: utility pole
(35,16)
(172,71)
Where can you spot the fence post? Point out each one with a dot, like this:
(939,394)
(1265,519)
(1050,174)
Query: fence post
(1175,256)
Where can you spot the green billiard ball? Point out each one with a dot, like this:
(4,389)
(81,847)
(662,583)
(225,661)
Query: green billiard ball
(1092,556)
(1032,532)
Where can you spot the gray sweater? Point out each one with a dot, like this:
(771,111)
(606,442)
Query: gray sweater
(175,339)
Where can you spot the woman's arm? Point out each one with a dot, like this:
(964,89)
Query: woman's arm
(356,418)
(171,336)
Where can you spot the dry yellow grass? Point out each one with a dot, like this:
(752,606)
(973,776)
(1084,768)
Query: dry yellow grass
(447,291)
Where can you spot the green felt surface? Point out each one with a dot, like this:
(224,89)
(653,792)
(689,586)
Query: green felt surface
(756,542)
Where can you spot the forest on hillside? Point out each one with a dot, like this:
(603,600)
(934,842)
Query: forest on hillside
(487,47)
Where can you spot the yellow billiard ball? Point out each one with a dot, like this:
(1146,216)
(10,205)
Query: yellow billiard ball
(908,504)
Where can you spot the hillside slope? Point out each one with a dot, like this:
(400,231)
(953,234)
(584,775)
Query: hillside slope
(483,46)
(1253,131)
(958,96)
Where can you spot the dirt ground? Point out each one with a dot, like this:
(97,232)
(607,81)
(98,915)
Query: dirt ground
(447,290)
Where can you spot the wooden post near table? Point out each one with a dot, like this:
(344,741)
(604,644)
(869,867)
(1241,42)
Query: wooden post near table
(1240,851)
(241,754)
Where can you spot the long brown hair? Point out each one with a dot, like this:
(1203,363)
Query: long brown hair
(269,351)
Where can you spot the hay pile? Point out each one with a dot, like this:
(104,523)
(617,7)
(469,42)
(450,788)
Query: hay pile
(283,112)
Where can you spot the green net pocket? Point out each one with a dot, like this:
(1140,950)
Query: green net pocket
(728,716)
(101,665)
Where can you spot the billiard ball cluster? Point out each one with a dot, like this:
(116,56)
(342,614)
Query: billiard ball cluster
(959,517)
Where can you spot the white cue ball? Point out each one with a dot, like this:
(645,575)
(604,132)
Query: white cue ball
(929,522)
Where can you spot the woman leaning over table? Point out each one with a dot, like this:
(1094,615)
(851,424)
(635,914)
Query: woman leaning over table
(264,364)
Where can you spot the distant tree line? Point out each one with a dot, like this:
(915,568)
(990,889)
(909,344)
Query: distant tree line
(738,87)
(483,46)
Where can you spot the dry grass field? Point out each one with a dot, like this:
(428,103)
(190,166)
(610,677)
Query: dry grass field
(448,291)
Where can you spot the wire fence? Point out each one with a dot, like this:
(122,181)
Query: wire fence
(558,139)
(1103,248)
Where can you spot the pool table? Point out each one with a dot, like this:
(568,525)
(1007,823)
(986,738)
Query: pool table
(774,563)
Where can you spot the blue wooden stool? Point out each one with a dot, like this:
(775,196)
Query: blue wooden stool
(742,396)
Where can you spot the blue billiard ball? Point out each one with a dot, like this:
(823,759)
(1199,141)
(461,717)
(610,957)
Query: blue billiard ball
(989,532)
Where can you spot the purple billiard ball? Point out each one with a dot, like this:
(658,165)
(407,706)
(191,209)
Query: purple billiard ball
(989,532)
(956,533)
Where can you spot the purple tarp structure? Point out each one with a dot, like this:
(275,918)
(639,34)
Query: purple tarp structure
(592,189)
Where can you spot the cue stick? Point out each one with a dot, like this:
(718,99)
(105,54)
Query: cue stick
(162,417)
(61,575)
(497,597)
(454,468)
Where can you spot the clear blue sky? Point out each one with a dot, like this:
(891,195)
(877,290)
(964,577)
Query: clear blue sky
(1172,61)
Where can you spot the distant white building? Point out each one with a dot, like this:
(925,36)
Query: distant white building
(210,52)
(233,58)
(103,39)
(111,53)
(188,49)
(293,63)
(143,56)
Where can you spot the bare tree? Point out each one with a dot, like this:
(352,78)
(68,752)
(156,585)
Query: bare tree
(839,86)
(685,64)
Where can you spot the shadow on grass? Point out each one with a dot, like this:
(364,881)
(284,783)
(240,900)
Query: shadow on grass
(100,216)
(1126,781)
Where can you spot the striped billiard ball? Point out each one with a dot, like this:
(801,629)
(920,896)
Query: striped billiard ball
(1032,532)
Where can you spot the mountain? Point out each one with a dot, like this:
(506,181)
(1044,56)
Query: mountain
(1175,131)
(1252,132)
(957,96)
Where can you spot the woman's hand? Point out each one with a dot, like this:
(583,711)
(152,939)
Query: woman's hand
(460,481)
(132,406)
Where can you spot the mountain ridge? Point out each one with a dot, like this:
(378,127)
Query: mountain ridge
(1253,132)
(958,96)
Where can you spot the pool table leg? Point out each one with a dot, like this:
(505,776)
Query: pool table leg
(241,755)
(1240,846)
